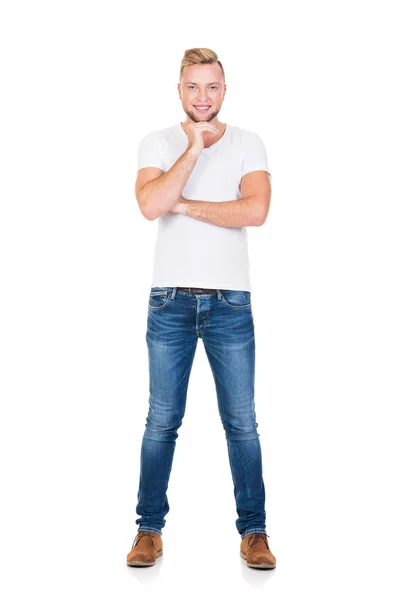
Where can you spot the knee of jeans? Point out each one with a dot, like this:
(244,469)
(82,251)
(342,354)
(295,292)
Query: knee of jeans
(241,432)
(163,429)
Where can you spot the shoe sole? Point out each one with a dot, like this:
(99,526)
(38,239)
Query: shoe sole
(141,563)
(256,565)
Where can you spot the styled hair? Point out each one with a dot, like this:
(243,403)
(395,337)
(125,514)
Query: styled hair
(199,56)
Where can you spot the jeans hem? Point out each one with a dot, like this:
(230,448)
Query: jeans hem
(253,530)
(144,528)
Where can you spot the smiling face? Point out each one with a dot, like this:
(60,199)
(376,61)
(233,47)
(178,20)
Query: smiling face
(202,90)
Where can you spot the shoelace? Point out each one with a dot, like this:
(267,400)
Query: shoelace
(258,536)
(140,535)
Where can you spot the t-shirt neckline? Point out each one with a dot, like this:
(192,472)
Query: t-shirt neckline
(221,139)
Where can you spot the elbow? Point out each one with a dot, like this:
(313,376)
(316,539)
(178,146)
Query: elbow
(149,215)
(144,204)
(145,210)
(259,218)
(262,213)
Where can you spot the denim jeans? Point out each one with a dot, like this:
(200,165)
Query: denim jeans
(224,321)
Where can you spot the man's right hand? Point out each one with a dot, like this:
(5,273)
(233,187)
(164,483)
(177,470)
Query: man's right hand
(195,134)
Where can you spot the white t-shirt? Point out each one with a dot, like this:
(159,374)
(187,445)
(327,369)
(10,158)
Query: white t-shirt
(190,252)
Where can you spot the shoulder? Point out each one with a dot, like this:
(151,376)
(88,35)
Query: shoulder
(248,136)
(162,138)
(245,138)
(149,140)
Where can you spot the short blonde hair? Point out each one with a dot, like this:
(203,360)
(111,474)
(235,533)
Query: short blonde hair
(199,56)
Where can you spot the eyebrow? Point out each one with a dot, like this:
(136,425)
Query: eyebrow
(212,83)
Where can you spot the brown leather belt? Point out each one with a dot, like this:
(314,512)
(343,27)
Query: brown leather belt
(198,290)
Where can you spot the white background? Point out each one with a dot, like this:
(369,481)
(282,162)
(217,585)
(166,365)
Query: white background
(82,82)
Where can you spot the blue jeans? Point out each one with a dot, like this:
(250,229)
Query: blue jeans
(224,321)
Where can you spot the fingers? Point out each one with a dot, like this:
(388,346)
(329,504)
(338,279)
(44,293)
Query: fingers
(203,126)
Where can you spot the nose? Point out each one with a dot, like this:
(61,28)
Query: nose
(203,98)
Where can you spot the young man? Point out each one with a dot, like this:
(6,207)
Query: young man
(201,289)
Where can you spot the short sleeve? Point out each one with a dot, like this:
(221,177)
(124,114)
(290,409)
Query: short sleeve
(254,154)
(149,152)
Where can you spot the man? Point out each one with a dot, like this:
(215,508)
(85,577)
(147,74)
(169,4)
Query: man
(201,289)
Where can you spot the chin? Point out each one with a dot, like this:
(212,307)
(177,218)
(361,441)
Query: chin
(198,118)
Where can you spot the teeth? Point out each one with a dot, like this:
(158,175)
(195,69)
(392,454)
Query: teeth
(202,108)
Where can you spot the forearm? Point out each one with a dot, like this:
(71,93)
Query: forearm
(231,213)
(160,194)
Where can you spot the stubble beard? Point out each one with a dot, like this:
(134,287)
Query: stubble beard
(197,119)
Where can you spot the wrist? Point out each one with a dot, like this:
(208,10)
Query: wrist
(193,152)
(184,206)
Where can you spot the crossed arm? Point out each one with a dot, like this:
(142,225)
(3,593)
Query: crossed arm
(251,209)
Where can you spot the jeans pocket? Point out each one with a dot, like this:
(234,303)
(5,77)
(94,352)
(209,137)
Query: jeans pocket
(237,298)
(159,298)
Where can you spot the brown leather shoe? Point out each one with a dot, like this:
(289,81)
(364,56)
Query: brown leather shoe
(146,548)
(254,549)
